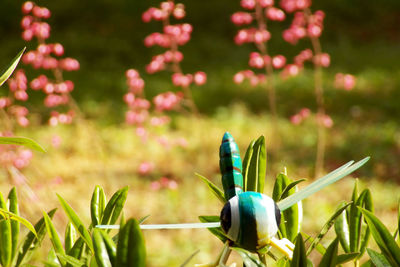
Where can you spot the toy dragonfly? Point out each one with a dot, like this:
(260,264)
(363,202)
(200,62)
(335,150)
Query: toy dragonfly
(249,219)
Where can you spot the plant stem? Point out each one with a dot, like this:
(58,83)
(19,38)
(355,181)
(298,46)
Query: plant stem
(319,94)
(263,259)
(263,48)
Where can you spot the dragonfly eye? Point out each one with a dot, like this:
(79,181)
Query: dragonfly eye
(225,217)
(277,215)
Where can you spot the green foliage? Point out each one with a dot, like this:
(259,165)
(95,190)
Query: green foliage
(10,69)
(214,189)
(255,166)
(350,227)
(23,141)
(299,254)
(385,241)
(292,216)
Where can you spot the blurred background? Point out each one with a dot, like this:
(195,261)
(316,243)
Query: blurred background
(106,37)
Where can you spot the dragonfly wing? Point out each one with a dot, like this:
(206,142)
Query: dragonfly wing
(168,226)
(321,183)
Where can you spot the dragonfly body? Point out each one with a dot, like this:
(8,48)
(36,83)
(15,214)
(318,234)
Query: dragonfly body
(250,220)
(230,165)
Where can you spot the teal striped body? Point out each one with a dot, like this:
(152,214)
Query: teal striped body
(230,165)
(250,220)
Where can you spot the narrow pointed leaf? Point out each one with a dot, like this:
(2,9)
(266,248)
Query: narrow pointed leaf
(218,232)
(54,238)
(31,242)
(10,69)
(110,247)
(13,207)
(342,230)
(74,219)
(186,262)
(330,257)
(378,259)
(321,183)
(383,238)
(114,207)
(131,251)
(257,169)
(23,141)
(299,254)
(246,163)
(365,201)
(214,189)
(343,258)
(97,205)
(287,189)
(319,247)
(70,236)
(100,250)
(249,260)
(143,219)
(5,242)
(19,219)
(291,216)
(70,260)
(326,227)
(77,250)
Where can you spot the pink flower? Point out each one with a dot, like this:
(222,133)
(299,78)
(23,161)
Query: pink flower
(248,4)
(241,18)
(155,186)
(200,78)
(56,141)
(323,60)
(274,13)
(296,119)
(345,81)
(146,168)
(278,61)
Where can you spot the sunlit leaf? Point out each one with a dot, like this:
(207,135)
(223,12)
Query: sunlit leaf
(10,69)
(23,141)
(249,260)
(100,250)
(383,238)
(5,242)
(131,251)
(343,258)
(97,205)
(70,260)
(74,219)
(114,207)
(330,257)
(54,237)
(378,259)
(299,254)
(13,207)
(257,167)
(246,163)
(31,242)
(342,230)
(326,227)
(214,189)
(70,236)
(4,213)
(186,262)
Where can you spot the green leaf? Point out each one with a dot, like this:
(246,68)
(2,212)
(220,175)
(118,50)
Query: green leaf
(218,232)
(330,257)
(291,216)
(249,260)
(186,262)
(23,141)
(5,213)
(320,248)
(32,242)
(378,259)
(70,260)
(114,206)
(13,207)
(299,254)
(97,205)
(70,236)
(54,238)
(383,238)
(343,258)
(100,249)
(216,191)
(326,227)
(365,201)
(292,185)
(5,242)
(10,69)
(246,163)
(342,229)
(321,183)
(131,251)
(257,167)
(77,250)
(83,232)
